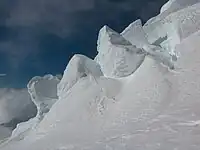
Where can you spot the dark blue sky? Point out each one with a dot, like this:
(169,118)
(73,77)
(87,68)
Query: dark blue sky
(40,36)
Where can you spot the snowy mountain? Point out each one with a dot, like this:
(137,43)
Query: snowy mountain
(141,92)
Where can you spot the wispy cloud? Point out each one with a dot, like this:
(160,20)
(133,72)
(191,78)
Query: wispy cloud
(15,104)
(2,74)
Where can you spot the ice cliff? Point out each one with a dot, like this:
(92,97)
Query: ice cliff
(140,92)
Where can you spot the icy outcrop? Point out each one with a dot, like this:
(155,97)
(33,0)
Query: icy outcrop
(135,34)
(43,92)
(175,5)
(170,30)
(163,33)
(161,55)
(167,6)
(79,66)
(162,52)
(117,56)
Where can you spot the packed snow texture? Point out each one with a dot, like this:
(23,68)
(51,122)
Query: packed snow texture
(149,107)
(117,56)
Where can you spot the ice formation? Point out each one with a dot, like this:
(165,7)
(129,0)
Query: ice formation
(79,66)
(135,34)
(43,92)
(117,56)
(169,30)
(175,5)
(100,107)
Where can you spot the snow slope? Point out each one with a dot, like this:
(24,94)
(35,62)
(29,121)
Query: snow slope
(153,108)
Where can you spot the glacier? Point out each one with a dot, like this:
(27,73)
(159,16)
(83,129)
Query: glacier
(140,92)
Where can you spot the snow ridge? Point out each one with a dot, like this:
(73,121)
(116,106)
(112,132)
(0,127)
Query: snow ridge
(140,92)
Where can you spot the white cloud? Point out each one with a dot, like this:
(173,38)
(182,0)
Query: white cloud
(15,104)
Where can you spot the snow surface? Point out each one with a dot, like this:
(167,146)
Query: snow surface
(152,108)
